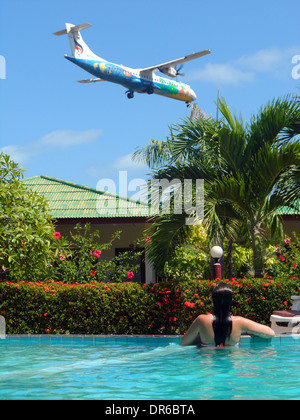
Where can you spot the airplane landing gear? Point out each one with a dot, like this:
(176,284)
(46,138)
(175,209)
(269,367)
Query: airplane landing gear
(130,94)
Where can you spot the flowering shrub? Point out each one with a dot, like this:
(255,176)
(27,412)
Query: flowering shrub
(26,229)
(131,308)
(79,259)
(284,258)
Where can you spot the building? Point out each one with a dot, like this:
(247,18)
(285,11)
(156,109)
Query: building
(72,203)
(291,219)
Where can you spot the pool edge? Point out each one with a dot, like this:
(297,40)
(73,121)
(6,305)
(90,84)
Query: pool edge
(76,339)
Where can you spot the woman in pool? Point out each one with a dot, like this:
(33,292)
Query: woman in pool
(221,328)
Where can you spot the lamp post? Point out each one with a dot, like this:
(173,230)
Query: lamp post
(216,253)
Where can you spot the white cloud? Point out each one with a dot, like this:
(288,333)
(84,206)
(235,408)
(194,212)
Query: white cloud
(222,73)
(68,138)
(17,153)
(55,140)
(125,163)
(274,60)
(122,163)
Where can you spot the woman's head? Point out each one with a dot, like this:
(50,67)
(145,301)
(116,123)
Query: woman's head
(222,297)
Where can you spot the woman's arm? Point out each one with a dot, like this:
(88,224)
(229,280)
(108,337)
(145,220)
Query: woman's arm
(191,334)
(254,328)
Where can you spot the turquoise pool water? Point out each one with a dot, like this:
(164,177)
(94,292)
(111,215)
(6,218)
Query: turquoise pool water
(146,368)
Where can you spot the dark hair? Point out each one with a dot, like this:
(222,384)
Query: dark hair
(222,297)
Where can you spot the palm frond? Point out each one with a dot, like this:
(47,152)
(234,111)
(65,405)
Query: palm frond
(166,233)
(156,154)
(273,123)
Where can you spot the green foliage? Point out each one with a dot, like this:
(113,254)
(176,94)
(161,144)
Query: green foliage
(284,259)
(80,260)
(26,230)
(192,258)
(30,249)
(132,308)
(250,171)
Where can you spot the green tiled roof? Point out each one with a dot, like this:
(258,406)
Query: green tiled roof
(70,200)
(285,211)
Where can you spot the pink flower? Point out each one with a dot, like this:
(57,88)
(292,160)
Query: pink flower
(62,256)
(4,268)
(97,253)
(287,240)
(130,275)
(57,235)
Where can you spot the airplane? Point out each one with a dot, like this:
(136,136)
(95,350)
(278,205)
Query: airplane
(142,80)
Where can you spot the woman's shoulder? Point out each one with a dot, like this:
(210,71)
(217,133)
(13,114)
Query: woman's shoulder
(205,317)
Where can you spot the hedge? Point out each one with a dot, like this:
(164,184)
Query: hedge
(132,308)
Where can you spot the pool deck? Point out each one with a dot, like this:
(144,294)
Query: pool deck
(77,340)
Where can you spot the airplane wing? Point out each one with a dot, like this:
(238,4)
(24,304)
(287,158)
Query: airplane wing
(91,80)
(178,61)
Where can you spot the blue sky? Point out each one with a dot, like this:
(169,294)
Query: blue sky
(54,126)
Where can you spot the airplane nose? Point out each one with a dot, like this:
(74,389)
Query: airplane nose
(193,95)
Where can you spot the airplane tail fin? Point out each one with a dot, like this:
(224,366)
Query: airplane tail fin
(78,46)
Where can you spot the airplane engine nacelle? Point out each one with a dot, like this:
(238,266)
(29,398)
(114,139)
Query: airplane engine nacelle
(169,71)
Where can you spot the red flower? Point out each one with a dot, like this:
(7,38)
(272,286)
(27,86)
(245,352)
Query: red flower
(61,255)
(46,313)
(281,257)
(147,239)
(130,275)
(97,253)
(57,235)
(93,273)
(47,330)
(189,304)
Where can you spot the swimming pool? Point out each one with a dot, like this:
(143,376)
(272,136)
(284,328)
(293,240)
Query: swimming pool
(146,368)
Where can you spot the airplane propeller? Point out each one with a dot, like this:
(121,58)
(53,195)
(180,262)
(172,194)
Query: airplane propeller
(178,68)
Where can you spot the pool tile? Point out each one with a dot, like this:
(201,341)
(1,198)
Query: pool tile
(45,339)
(88,339)
(56,340)
(98,339)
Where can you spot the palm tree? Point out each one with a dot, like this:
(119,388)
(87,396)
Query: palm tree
(250,171)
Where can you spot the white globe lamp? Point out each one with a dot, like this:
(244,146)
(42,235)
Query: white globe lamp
(216,252)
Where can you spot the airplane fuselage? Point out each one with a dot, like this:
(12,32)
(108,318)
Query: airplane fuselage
(135,80)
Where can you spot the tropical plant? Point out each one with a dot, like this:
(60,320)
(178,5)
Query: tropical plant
(79,259)
(250,171)
(26,229)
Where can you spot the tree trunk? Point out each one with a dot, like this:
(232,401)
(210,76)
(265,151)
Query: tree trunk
(228,261)
(257,250)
